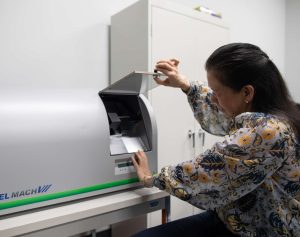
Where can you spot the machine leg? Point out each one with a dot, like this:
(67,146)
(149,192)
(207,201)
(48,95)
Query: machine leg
(165,213)
(94,233)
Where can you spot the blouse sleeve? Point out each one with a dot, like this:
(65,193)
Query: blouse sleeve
(229,170)
(206,113)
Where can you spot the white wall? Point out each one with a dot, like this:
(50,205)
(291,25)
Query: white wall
(293,47)
(64,43)
(55,43)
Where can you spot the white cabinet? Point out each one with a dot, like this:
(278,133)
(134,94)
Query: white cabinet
(151,30)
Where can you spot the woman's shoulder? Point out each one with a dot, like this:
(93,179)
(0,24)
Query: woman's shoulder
(265,123)
(254,119)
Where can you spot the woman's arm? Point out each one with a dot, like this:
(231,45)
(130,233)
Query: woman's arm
(206,113)
(199,97)
(230,169)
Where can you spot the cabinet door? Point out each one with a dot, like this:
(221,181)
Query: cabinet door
(191,41)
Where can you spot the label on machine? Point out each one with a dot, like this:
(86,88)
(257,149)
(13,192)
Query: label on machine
(124,167)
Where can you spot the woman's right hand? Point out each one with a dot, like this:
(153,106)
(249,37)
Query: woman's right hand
(174,78)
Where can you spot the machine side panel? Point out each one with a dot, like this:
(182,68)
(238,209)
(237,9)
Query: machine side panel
(51,142)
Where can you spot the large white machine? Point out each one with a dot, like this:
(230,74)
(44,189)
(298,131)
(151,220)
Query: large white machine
(62,145)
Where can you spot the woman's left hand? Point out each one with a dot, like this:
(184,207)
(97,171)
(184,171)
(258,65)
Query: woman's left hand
(140,162)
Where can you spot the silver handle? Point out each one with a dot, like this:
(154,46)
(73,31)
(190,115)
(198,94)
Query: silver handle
(192,135)
(202,136)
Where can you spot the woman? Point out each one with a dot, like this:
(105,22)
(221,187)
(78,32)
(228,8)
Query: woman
(249,183)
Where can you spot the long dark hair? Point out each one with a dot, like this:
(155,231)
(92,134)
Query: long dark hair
(239,64)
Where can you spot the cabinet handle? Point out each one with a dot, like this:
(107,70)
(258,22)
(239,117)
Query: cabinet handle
(192,135)
(202,136)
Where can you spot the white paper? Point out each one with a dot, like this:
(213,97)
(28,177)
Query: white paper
(133,144)
(123,145)
(117,145)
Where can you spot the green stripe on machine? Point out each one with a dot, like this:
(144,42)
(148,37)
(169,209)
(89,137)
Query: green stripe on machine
(63,194)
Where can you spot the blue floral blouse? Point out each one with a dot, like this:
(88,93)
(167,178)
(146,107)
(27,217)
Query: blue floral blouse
(251,179)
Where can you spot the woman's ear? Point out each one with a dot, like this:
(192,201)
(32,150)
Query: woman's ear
(248,91)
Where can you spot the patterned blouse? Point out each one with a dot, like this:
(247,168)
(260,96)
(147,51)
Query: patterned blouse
(251,179)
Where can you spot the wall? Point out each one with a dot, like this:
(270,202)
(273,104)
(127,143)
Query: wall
(64,43)
(293,47)
(55,43)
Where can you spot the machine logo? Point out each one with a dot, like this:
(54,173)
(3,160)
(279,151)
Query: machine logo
(26,192)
